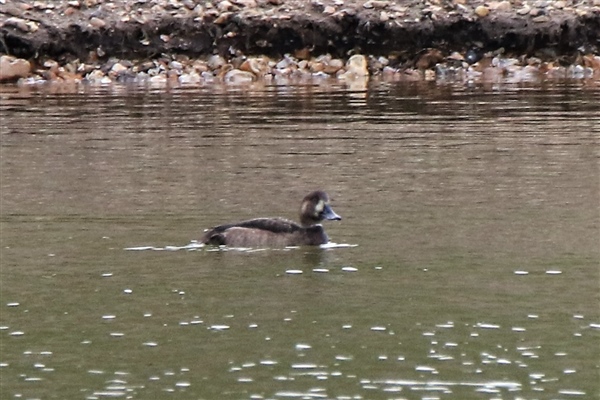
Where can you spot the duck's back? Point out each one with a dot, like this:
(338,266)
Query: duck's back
(265,232)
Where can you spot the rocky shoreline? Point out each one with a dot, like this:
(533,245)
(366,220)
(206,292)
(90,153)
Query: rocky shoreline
(195,41)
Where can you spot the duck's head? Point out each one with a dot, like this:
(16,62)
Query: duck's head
(315,208)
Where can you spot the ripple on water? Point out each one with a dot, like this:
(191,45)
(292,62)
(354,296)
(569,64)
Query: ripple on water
(219,327)
(484,325)
(194,245)
(304,366)
(572,392)
(428,385)
(425,368)
(95,372)
(191,246)
(378,328)
(293,271)
(332,245)
(302,395)
(109,393)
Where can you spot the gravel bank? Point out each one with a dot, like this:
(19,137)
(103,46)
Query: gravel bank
(192,41)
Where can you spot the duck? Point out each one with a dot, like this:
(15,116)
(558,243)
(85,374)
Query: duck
(278,232)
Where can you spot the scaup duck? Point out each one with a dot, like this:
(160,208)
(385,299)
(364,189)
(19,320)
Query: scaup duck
(278,232)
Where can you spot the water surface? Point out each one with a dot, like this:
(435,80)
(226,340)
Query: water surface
(474,211)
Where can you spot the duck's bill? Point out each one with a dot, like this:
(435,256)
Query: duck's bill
(329,214)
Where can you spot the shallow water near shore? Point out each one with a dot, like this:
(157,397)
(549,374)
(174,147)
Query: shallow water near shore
(466,264)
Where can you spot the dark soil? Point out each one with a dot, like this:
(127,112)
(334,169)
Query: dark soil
(65,32)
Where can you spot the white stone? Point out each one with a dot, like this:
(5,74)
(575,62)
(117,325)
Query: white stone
(12,68)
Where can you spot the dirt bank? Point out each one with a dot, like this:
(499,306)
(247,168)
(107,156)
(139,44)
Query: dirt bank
(400,30)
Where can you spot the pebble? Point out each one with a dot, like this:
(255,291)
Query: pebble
(482,11)
(560,4)
(500,6)
(215,62)
(192,77)
(118,68)
(158,79)
(225,5)
(18,23)
(176,65)
(11,68)
(95,76)
(433,64)
(429,59)
(356,68)
(256,66)
(378,4)
(238,76)
(333,66)
(541,18)
(329,10)
(97,22)
(473,55)
(246,3)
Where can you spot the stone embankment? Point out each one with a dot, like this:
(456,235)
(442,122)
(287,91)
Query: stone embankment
(195,41)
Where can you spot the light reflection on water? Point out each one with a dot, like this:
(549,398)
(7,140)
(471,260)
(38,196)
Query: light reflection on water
(466,264)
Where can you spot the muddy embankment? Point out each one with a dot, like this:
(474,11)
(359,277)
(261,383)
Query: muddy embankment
(198,39)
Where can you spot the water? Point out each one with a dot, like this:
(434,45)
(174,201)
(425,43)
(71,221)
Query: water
(474,211)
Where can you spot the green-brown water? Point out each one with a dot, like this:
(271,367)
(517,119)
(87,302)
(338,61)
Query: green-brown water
(475,212)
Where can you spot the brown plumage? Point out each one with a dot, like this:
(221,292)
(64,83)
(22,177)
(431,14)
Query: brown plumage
(278,232)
